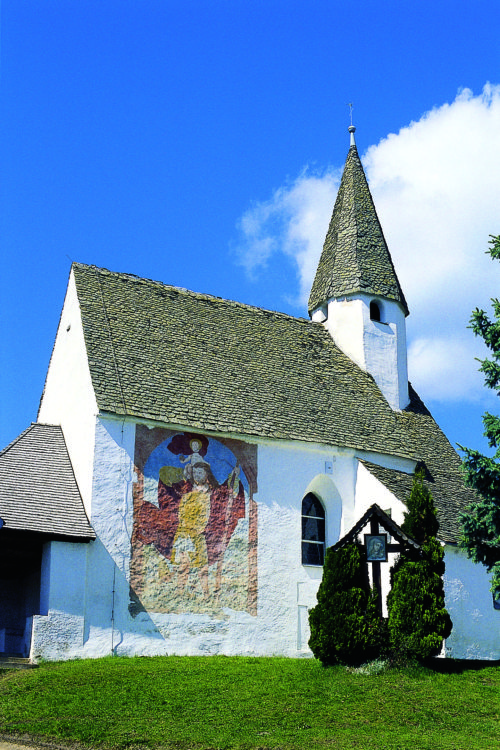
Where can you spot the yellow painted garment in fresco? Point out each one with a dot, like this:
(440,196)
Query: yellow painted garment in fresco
(194,512)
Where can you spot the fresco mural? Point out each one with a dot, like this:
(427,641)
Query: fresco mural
(194,540)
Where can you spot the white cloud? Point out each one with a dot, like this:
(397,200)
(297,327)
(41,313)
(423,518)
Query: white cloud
(436,186)
(294,221)
(437,368)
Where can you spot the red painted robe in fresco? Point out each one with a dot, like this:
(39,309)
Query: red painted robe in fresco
(158,526)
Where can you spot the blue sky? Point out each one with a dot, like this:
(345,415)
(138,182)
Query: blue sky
(200,143)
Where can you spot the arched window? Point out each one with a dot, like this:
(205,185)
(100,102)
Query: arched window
(375,311)
(313,531)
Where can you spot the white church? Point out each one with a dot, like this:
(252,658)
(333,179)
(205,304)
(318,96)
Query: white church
(193,458)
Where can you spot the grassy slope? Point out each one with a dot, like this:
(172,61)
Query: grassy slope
(220,702)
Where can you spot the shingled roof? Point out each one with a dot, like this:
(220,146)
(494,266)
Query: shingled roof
(38,490)
(444,479)
(182,358)
(355,255)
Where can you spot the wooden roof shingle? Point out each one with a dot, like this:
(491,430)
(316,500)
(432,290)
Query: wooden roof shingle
(169,355)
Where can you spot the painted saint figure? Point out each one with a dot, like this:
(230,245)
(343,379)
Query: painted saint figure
(195,518)
(375,548)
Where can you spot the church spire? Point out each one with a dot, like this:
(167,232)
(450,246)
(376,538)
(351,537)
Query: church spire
(356,294)
(355,257)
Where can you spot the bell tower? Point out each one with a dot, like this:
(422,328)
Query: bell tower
(356,294)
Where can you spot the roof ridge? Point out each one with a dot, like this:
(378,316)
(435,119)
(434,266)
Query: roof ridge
(188,292)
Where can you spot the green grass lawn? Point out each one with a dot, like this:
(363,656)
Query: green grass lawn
(251,703)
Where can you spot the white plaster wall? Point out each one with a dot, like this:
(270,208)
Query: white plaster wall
(476,625)
(377,347)
(287,589)
(85,587)
(67,571)
(385,357)
(398,463)
(96,621)
(369,490)
(345,323)
(109,627)
(68,398)
(58,632)
(112,504)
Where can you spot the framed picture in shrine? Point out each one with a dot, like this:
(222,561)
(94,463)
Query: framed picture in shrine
(376,547)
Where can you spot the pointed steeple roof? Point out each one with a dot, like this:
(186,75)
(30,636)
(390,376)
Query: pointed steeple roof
(355,255)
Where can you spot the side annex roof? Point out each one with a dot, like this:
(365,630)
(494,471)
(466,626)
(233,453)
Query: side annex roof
(38,490)
(444,481)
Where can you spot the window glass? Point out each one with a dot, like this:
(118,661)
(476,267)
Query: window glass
(313,531)
(311,506)
(312,554)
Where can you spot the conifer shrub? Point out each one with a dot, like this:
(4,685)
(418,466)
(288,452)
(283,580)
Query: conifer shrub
(418,621)
(345,624)
(481,521)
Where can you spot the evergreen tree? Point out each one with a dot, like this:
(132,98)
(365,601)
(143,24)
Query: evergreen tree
(418,620)
(481,523)
(345,625)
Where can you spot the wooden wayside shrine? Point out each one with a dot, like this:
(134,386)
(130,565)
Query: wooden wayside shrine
(377,544)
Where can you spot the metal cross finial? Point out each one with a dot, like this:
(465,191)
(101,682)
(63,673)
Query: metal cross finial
(351,127)
(350,105)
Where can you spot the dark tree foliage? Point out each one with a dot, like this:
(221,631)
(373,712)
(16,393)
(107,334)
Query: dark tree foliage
(481,522)
(420,521)
(418,620)
(345,626)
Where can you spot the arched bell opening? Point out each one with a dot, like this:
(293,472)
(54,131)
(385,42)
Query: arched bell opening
(375,311)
